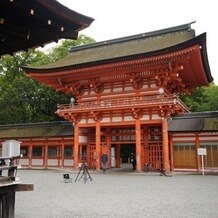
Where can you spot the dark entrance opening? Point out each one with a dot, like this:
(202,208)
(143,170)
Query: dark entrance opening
(125,153)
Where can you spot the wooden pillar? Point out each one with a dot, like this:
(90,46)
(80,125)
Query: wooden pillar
(62,152)
(98,145)
(76,145)
(165,149)
(30,153)
(138,145)
(145,147)
(8,202)
(108,144)
(171,153)
(46,153)
(197,145)
(118,155)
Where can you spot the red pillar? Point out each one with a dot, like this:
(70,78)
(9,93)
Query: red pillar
(62,152)
(30,153)
(98,145)
(76,145)
(165,149)
(108,144)
(197,145)
(46,154)
(171,153)
(138,145)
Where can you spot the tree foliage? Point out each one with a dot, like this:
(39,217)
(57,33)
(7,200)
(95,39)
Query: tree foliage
(202,99)
(24,100)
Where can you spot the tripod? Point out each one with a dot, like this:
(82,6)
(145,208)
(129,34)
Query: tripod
(85,174)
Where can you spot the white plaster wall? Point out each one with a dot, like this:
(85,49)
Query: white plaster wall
(155,117)
(68,163)
(24,161)
(83,139)
(117,89)
(145,117)
(117,119)
(128,88)
(128,118)
(145,86)
(91,120)
(38,162)
(105,120)
(107,91)
(82,121)
(153,85)
(52,162)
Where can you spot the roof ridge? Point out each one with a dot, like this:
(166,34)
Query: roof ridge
(134,37)
(25,125)
(191,115)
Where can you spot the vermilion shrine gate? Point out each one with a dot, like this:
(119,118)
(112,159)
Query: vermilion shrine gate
(126,90)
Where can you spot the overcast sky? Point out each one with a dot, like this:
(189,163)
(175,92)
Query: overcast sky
(118,18)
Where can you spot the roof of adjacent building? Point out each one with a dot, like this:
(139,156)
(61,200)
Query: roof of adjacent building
(190,122)
(194,122)
(37,130)
(27,24)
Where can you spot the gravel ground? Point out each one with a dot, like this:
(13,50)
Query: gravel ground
(117,194)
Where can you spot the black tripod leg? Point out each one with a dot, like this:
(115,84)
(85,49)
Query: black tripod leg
(89,175)
(78,175)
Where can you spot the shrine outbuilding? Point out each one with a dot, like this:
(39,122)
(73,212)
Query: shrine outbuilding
(51,144)
(127,94)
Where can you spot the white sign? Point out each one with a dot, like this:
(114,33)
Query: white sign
(202,151)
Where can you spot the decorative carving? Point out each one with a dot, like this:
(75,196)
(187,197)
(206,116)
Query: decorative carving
(170,80)
(77,89)
(75,118)
(137,113)
(166,111)
(137,82)
(97,116)
(96,85)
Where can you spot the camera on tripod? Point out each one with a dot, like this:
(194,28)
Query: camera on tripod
(83,168)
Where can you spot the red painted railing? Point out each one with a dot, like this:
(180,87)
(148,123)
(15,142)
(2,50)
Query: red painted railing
(143,102)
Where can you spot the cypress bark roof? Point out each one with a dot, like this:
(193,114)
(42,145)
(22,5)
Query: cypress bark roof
(36,130)
(121,47)
(194,122)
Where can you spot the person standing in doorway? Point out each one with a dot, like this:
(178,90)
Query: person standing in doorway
(104,160)
(133,160)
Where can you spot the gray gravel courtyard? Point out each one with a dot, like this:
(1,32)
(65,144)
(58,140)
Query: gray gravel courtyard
(117,194)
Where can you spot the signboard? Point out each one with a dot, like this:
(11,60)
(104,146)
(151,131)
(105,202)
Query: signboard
(202,151)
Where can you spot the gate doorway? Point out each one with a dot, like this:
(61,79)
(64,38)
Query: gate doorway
(125,153)
(154,147)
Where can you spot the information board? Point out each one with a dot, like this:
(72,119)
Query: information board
(202,151)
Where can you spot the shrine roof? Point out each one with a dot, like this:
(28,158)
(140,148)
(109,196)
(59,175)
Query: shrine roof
(151,43)
(36,130)
(194,122)
(27,24)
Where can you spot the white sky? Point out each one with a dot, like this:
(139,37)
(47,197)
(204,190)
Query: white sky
(118,18)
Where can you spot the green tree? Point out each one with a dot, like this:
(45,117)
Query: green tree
(23,99)
(202,99)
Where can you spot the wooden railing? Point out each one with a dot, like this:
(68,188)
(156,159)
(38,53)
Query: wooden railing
(147,101)
(8,187)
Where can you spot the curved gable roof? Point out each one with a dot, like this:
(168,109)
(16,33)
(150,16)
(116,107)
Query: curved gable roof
(122,48)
